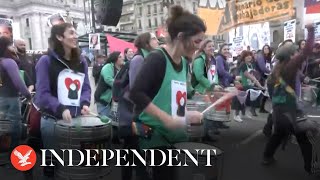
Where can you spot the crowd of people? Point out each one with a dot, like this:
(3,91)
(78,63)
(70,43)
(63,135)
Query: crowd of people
(158,81)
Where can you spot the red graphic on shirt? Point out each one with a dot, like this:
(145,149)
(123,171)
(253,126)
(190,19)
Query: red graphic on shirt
(212,71)
(73,87)
(181,107)
(69,82)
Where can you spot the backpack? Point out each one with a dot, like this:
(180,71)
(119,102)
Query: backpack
(121,82)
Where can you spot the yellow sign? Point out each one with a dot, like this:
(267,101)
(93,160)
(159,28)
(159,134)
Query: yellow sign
(223,15)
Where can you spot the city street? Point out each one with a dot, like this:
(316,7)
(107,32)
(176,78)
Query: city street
(243,145)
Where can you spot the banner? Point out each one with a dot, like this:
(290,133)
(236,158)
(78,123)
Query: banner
(312,6)
(116,44)
(254,35)
(223,15)
(317,31)
(6,28)
(290,30)
(94,41)
(237,45)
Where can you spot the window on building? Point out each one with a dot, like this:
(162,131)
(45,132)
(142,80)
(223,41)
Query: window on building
(139,24)
(162,20)
(161,7)
(149,9)
(194,7)
(30,43)
(155,8)
(179,3)
(150,25)
(27,22)
(74,1)
(140,11)
(156,22)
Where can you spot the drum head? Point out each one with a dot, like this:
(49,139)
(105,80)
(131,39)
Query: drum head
(83,121)
(191,146)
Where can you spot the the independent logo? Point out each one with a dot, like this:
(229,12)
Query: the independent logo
(23,158)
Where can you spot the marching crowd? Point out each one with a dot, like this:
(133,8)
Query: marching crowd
(150,87)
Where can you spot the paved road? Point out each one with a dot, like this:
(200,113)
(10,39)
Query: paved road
(243,145)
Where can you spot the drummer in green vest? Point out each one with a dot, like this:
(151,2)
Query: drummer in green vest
(249,80)
(205,78)
(160,89)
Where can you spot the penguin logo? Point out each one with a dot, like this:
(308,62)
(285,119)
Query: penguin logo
(181,100)
(73,87)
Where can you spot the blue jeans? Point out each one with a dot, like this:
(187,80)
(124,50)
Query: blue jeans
(10,110)
(103,110)
(106,111)
(47,132)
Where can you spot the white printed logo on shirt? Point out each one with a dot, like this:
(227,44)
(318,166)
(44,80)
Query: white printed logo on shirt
(70,87)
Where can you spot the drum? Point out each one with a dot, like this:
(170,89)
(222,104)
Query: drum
(5,141)
(114,114)
(201,171)
(196,131)
(309,94)
(86,132)
(221,112)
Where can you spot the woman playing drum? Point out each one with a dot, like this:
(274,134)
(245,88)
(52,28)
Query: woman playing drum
(63,89)
(160,89)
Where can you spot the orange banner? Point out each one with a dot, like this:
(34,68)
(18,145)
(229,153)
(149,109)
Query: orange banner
(223,15)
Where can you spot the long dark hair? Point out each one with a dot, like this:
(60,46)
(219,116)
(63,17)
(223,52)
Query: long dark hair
(56,45)
(113,57)
(5,43)
(220,50)
(143,41)
(269,56)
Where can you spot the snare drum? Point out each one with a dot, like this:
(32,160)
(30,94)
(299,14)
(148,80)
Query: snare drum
(196,131)
(201,171)
(309,94)
(85,132)
(221,112)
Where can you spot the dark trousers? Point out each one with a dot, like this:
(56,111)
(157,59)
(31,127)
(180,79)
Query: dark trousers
(283,129)
(131,142)
(164,172)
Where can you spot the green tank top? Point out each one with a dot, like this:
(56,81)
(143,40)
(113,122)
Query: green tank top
(283,94)
(246,82)
(171,98)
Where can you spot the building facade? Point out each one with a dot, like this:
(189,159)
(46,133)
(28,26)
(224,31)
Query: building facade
(30,18)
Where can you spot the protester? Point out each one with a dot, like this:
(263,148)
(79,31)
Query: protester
(61,102)
(145,43)
(264,67)
(158,94)
(97,67)
(10,86)
(128,54)
(285,109)
(225,78)
(205,78)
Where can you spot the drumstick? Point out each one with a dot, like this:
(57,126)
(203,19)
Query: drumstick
(223,98)
(314,80)
(312,116)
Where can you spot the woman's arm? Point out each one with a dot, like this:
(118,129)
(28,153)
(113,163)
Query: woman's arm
(13,72)
(86,88)
(262,64)
(44,97)
(221,70)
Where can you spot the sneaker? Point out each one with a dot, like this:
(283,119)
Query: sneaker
(238,118)
(268,161)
